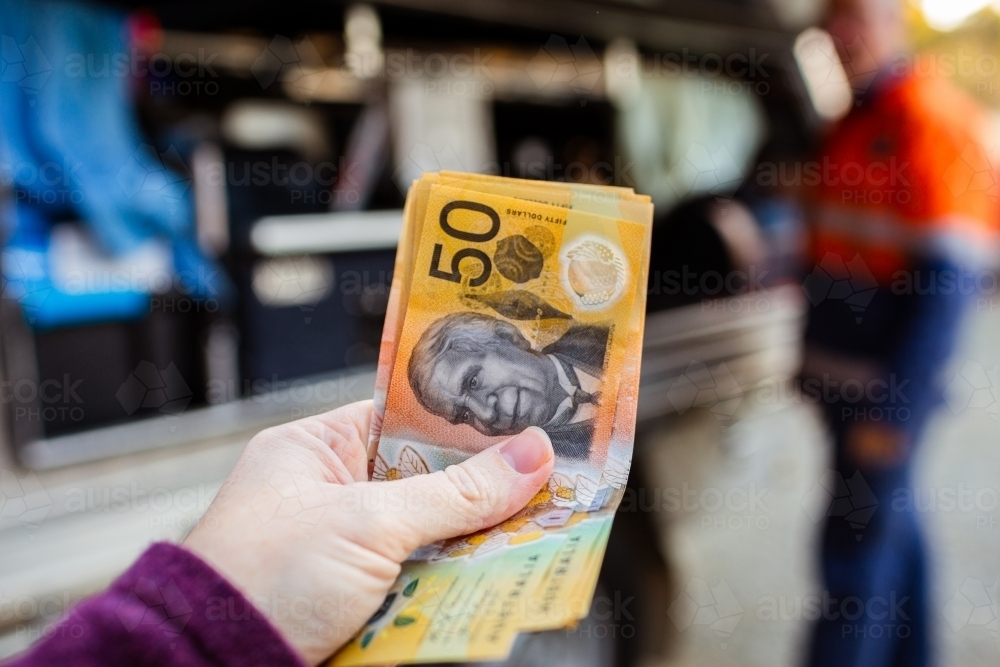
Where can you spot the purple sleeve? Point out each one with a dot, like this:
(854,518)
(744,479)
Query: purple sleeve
(169,608)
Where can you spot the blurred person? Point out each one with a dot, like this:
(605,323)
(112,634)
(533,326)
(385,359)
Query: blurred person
(260,583)
(899,228)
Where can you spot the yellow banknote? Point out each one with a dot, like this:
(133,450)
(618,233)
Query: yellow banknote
(518,315)
(615,202)
(566,592)
(550,279)
(620,192)
(453,609)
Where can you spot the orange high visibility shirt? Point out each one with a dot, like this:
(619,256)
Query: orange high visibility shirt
(907,175)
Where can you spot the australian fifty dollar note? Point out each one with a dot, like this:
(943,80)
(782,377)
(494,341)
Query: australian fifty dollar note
(514,303)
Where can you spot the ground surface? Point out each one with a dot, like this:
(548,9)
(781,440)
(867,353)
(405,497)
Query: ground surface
(743,568)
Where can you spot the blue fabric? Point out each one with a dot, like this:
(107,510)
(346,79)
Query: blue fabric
(70,145)
(26,278)
(874,573)
(910,332)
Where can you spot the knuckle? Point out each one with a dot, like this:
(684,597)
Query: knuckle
(472,487)
(381,524)
(260,438)
(268,434)
(393,539)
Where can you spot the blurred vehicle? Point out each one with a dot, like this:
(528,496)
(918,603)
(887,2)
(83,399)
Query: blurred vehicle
(294,131)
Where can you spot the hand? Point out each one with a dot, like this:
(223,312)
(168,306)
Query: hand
(298,528)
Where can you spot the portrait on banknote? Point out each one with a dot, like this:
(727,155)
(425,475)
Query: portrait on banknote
(517,315)
(477,369)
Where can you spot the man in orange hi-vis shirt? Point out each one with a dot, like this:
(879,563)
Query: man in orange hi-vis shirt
(904,221)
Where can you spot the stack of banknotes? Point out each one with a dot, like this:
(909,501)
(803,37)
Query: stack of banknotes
(514,303)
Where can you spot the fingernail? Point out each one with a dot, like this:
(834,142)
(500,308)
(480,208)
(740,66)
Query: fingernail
(527,451)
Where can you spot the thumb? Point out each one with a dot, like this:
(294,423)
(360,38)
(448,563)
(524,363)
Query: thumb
(478,493)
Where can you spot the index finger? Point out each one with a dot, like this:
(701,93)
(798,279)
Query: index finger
(344,431)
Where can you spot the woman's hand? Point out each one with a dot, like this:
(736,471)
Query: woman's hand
(315,546)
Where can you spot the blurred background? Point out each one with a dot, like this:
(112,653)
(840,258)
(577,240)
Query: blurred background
(200,203)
